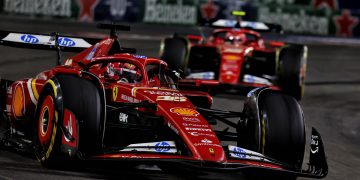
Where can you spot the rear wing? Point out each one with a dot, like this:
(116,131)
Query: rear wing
(253,25)
(45,42)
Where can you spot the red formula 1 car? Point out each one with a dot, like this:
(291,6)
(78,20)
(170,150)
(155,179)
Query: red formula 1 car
(239,57)
(106,103)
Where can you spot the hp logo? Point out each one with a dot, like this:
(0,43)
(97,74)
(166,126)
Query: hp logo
(29,39)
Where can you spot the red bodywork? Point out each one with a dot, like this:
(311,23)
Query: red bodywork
(234,45)
(178,112)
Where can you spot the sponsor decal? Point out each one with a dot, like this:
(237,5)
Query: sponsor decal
(139,56)
(27,38)
(206,141)
(69,123)
(198,129)
(253,79)
(201,134)
(196,125)
(201,75)
(314,146)
(60,8)
(69,128)
(115,92)
(239,152)
(207,144)
(173,128)
(160,12)
(233,50)
(191,119)
(300,21)
(231,57)
(230,67)
(184,111)
(67,42)
(163,93)
(162,147)
(92,53)
(129,99)
(171,98)
(123,118)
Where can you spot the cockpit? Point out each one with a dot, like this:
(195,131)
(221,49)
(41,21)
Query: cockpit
(234,37)
(153,74)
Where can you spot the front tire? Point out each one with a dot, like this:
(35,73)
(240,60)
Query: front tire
(174,51)
(281,135)
(292,70)
(82,98)
(282,129)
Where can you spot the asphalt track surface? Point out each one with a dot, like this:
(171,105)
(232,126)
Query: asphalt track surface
(331,103)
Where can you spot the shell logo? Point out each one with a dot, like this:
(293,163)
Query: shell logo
(184,111)
(231,57)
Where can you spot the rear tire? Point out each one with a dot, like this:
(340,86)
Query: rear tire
(292,70)
(47,134)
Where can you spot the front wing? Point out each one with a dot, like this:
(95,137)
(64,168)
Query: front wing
(317,165)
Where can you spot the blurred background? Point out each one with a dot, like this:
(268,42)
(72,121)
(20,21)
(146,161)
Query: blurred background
(330,28)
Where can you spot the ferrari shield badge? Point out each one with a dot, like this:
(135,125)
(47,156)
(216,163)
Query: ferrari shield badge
(115,92)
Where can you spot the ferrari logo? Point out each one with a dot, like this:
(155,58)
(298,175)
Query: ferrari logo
(115,92)
(211,150)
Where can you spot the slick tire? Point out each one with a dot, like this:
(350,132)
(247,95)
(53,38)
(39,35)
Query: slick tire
(283,128)
(282,133)
(82,98)
(292,70)
(47,134)
(174,51)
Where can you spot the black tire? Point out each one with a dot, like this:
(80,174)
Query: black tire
(283,121)
(174,51)
(282,134)
(82,98)
(292,69)
(47,134)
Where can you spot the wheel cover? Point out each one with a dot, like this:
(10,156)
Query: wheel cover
(46,121)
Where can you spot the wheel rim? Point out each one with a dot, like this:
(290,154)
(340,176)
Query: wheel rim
(44,121)
(46,118)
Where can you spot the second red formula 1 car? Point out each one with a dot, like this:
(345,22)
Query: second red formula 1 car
(238,56)
(107,103)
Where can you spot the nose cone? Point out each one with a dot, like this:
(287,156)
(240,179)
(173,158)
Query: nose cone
(194,130)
